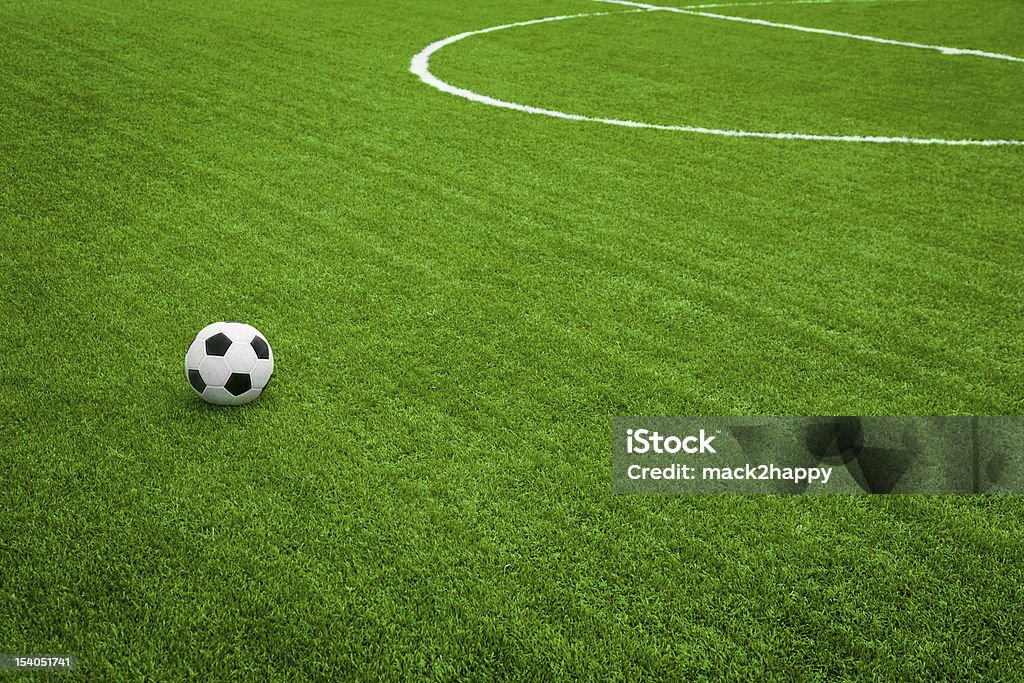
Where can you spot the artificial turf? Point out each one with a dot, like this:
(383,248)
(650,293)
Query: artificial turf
(459,299)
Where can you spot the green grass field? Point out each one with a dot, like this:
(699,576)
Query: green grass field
(459,298)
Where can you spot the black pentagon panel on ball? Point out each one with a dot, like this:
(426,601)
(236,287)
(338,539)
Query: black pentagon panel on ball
(238,383)
(260,346)
(196,380)
(218,344)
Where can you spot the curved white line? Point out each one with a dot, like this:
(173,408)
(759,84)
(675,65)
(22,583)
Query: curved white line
(420,65)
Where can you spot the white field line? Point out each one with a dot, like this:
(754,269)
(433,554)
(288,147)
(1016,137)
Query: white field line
(770,3)
(420,66)
(805,29)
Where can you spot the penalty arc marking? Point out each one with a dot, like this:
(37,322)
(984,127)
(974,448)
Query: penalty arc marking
(420,66)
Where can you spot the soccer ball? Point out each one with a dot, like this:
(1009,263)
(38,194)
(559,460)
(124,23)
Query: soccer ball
(229,363)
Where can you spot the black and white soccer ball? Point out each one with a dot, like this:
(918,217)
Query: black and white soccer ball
(229,363)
